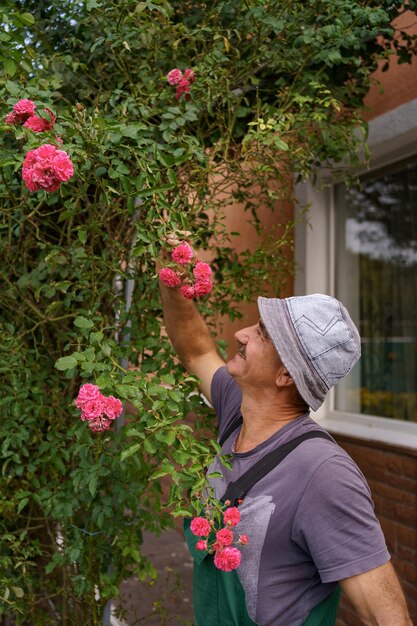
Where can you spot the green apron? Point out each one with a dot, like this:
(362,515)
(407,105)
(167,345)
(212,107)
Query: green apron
(219,598)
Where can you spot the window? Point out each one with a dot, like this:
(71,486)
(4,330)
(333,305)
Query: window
(376,278)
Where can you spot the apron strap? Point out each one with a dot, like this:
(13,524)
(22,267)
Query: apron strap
(238,489)
(235,424)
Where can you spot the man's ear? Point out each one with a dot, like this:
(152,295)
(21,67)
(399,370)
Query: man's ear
(284,378)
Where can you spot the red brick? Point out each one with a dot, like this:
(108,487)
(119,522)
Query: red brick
(407,573)
(396,510)
(407,536)
(409,467)
(394,464)
(410,593)
(392,493)
(371,471)
(406,554)
(401,482)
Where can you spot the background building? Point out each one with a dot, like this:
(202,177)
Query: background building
(360,245)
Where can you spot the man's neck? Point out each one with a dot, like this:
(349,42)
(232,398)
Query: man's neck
(262,419)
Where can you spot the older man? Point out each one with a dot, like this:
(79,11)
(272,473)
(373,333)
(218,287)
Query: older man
(309,519)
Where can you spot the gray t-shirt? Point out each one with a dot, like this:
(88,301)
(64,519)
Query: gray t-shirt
(310,521)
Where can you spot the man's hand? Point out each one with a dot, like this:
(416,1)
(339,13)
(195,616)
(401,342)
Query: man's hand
(377,597)
(188,331)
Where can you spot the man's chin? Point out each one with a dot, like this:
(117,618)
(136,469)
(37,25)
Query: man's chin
(232,366)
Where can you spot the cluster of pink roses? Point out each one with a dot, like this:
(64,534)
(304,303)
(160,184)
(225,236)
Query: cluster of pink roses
(99,410)
(182,82)
(226,557)
(196,280)
(45,167)
(24,113)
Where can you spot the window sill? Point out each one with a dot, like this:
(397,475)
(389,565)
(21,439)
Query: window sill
(378,429)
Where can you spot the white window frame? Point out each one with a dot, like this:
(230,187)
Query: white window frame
(392,138)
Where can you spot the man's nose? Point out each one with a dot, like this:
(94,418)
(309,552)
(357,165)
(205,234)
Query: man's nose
(242,334)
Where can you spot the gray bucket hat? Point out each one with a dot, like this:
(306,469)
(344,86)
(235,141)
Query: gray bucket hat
(316,340)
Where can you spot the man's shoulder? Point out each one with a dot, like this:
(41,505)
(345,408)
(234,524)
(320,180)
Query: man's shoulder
(319,454)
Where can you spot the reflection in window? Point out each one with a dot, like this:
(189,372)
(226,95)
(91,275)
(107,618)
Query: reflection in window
(376,278)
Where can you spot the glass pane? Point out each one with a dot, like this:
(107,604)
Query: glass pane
(376,278)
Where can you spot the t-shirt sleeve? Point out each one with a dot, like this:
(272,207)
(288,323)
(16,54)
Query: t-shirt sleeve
(226,399)
(335,522)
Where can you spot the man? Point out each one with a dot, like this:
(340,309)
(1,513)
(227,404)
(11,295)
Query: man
(310,520)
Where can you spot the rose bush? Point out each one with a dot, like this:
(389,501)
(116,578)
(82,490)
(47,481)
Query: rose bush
(158,117)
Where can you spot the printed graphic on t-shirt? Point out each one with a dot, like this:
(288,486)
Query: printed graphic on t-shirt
(254,523)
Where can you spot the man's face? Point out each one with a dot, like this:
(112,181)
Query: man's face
(256,361)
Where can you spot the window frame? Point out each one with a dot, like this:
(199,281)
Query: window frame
(392,139)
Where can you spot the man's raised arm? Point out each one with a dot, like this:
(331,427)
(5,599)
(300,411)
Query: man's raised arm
(190,337)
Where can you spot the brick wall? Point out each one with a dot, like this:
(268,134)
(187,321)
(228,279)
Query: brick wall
(391,473)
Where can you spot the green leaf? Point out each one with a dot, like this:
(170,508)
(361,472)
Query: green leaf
(130,451)
(9,67)
(215,475)
(82,235)
(96,337)
(26,19)
(18,592)
(92,484)
(13,88)
(92,4)
(159,473)
(22,504)
(65,363)
(182,512)
(83,322)
(168,378)
(166,436)
(149,446)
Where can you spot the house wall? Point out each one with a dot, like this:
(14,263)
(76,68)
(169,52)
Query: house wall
(391,473)
(391,470)
(399,83)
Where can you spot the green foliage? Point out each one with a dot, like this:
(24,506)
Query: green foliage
(278,90)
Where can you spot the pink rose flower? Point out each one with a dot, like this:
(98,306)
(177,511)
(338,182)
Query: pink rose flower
(11,118)
(189,75)
(183,87)
(169,277)
(174,76)
(200,527)
(24,109)
(188,292)
(63,168)
(87,392)
(112,407)
(227,559)
(182,254)
(243,539)
(203,287)
(201,545)
(231,516)
(46,168)
(40,124)
(202,270)
(93,408)
(99,424)
(224,537)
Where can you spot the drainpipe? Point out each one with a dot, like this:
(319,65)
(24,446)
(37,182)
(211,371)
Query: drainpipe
(129,288)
